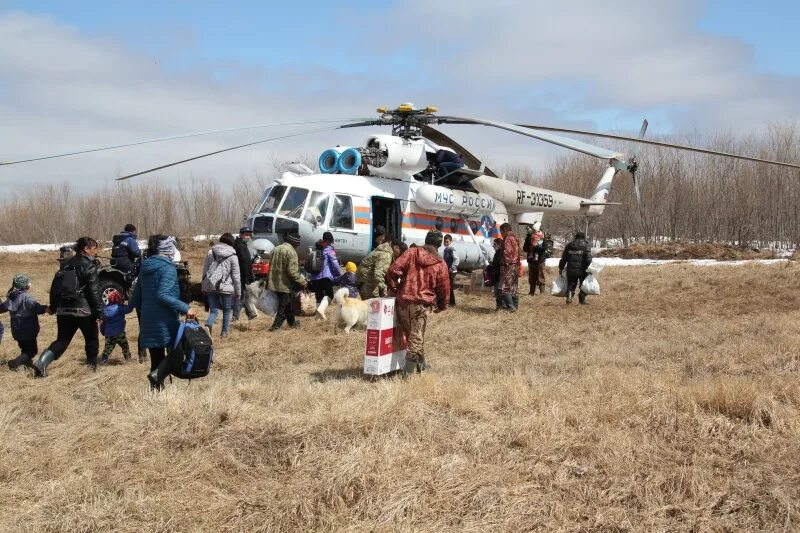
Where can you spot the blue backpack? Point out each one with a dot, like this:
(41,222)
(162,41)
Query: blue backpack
(195,350)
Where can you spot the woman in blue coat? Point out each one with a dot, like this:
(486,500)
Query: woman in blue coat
(157,297)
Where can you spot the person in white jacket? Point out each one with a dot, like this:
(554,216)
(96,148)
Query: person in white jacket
(221,282)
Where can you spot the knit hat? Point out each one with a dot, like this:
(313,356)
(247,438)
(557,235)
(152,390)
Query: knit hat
(293,239)
(114,297)
(21,281)
(350,267)
(167,247)
(434,238)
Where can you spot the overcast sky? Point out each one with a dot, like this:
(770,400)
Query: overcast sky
(77,75)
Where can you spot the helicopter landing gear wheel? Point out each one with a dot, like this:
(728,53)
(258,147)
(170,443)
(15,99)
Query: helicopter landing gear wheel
(108,285)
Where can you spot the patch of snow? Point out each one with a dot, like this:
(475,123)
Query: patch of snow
(29,248)
(618,261)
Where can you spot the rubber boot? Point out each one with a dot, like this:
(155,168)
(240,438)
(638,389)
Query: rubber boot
(508,300)
(323,305)
(422,364)
(500,304)
(515,299)
(40,366)
(22,359)
(541,289)
(582,298)
(161,372)
(410,367)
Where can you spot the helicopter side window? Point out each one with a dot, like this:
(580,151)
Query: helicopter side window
(272,199)
(294,203)
(342,212)
(317,208)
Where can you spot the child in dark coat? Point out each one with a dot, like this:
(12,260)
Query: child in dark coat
(348,280)
(25,311)
(113,327)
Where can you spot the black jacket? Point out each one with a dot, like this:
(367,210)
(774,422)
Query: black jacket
(245,261)
(576,257)
(89,302)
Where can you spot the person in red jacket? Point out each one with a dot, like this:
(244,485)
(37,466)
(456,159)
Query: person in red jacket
(418,279)
(509,269)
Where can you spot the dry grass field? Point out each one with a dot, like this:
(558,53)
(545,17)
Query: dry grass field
(670,403)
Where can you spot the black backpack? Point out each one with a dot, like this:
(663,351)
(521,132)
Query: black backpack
(195,351)
(66,285)
(315,262)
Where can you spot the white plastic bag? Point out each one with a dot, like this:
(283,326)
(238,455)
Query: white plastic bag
(559,286)
(590,285)
(268,302)
(593,269)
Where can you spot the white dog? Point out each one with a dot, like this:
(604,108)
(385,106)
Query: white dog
(351,311)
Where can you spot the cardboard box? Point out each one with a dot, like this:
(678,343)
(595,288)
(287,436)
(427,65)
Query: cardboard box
(385,347)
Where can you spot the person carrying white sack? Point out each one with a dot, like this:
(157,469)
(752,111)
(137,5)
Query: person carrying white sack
(575,260)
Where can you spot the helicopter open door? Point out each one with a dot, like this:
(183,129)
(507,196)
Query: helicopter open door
(386,212)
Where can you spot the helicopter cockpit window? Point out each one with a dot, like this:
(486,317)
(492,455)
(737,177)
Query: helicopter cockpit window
(317,208)
(294,203)
(342,212)
(272,199)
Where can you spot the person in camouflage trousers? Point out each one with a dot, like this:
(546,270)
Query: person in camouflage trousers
(113,327)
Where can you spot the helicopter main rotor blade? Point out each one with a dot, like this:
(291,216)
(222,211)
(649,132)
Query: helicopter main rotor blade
(224,150)
(572,144)
(660,143)
(438,137)
(173,137)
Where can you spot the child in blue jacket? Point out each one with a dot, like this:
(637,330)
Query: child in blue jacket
(113,327)
(25,311)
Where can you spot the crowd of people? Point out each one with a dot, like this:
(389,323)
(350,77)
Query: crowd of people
(418,277)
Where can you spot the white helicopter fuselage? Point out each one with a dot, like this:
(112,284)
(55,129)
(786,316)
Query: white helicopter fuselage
(350,197)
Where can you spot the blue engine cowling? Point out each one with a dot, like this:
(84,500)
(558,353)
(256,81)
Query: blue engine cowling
(349,161)
(329,161)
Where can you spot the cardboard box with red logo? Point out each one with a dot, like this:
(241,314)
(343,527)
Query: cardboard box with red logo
(385,349)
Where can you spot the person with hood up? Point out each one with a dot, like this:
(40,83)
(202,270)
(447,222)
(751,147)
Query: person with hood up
(25,311)
(419,280)
(284,278)
(534,253)
(245,258)
(125,250)
(509,269)
(322,282)
(576,259)
(75,298)
(157,298)
(371,273)
(222,282)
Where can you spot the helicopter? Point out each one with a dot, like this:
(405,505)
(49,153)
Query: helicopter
(393,181)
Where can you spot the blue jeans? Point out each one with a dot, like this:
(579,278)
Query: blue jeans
(217,301)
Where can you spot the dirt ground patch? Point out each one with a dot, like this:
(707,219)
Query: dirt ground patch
(686,250)
(669,403)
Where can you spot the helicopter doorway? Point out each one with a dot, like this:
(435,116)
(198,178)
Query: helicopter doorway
(386,212)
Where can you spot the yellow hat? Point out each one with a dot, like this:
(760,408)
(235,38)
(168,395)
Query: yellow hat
(350,267)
